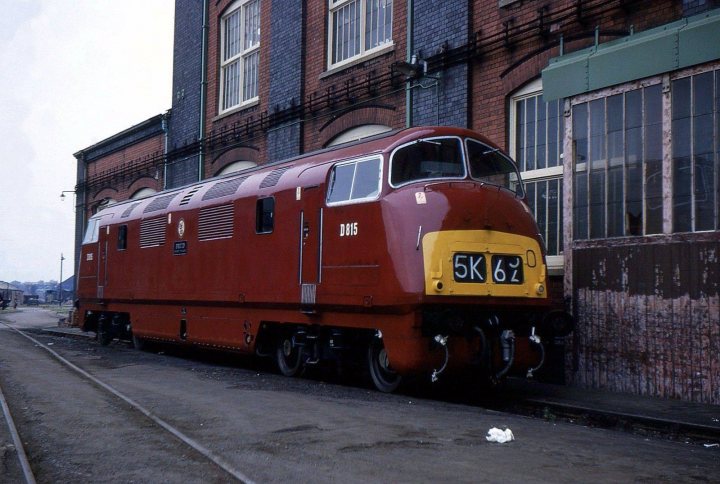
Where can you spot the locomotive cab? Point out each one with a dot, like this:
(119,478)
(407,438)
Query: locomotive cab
(479,261)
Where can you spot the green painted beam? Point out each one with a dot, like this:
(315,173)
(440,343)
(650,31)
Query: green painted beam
(673,46)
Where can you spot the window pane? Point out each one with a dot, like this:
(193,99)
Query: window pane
(580,194)
(520,134)
(598,166)
(250,83)
(704,164)
(341,183)
(653,159)
(252,24)
(427,159)
(490,166)
(633,215)
(616,162)
(682,168)
(530,133)
(555,136)
(541,213)
(553,217)
(232,35)
(367,179)
(378,23)
(231,85)
(541,134)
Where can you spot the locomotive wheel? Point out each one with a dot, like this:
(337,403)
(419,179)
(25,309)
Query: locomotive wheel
(288,357)
(384,378)
(104,336)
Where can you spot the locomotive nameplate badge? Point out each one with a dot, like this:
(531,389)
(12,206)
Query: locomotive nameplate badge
(181,228)
(180,247)
(420,198)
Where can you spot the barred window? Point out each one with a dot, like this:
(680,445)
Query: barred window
(240,48)
(358,27)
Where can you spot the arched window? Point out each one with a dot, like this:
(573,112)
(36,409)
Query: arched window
(142,193)
(359,132)
(236,166)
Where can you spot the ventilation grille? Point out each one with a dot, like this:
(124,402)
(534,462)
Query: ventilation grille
(274,177)
(159,203)
(224,188)
(216,222)
(129,210)
(186,199)
(152,232)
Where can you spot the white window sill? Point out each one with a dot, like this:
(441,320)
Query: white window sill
(353,61)
(237,109)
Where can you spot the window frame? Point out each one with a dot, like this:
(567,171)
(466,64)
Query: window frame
(604,95)
(555,262)
(240,57)
(333,7)
(356,161)
(693,155)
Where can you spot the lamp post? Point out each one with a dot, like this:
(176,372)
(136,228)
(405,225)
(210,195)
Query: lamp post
(62,258)
(62,194)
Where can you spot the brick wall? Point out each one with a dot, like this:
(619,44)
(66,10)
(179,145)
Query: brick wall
(184,123)
(440,26)
(135,154)
(286,82)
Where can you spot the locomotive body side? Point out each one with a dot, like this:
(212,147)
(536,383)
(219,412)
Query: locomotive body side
(400,250)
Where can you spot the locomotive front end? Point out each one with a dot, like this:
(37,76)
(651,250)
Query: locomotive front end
(484,288)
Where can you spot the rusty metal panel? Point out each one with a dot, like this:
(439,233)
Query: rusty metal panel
(649,316)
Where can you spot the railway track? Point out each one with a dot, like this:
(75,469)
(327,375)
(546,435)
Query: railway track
(27,460)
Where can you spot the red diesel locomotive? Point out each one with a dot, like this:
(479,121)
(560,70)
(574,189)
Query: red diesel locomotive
(412,251)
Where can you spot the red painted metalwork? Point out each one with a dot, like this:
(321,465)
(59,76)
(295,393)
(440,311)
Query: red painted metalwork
(189,266)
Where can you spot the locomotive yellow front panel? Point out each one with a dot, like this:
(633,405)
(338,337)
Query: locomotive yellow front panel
(483,263)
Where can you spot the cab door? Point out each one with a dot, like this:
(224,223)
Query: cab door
(310,233)
(102,261)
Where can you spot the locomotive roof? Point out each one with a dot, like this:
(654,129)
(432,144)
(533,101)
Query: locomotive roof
(159,202)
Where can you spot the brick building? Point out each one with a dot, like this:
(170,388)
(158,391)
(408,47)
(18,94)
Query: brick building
(610,107)
(129,164)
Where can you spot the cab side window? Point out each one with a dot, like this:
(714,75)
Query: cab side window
(122,237)
(490,166)
(355,181)
(265,215)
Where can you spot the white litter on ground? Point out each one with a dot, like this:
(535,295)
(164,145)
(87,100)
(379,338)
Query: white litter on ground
(499,436)
(707,446)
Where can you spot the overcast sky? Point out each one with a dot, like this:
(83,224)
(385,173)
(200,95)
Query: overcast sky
(72,73)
